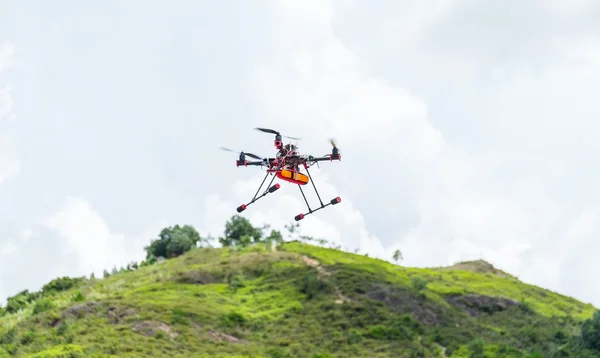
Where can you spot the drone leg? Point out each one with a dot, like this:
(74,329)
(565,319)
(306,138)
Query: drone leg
(261,184)
(304,196)
(310,211)
(270,189)
(313,184)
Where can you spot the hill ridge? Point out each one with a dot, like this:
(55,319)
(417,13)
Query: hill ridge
(479,266)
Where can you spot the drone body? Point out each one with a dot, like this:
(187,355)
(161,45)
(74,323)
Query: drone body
(287,166)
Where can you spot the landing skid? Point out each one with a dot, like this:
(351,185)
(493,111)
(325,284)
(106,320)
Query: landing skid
(333,201)
(271,189)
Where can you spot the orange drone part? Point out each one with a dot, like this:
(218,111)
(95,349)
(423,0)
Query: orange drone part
(292,177)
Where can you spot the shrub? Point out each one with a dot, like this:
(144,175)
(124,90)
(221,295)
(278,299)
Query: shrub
(590,332)
(20,300)
(43,305)
(419,284)
(61,284)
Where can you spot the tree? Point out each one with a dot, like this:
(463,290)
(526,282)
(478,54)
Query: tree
(240,232)
(292,228)
(172,242)
(398,255)
(590,332)
(275,236)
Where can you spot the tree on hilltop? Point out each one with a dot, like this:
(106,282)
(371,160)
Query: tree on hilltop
(397,255)
(240,232)
(173,241)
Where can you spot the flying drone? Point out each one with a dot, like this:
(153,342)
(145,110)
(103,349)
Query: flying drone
(287,166)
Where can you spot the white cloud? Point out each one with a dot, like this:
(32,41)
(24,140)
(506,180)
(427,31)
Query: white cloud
(8,249)
(9,163)
(6,55)
(89,237)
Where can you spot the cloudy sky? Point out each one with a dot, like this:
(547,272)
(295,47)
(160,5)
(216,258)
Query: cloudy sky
(466,129)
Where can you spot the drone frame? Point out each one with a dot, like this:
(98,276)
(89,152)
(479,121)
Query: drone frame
(271,162)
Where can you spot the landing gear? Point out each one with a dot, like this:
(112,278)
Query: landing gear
(333,201)
(271,189)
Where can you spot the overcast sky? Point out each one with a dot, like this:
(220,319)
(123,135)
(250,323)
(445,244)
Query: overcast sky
(467,129)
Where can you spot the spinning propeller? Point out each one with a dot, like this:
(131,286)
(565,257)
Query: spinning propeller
(242,153)
(272,131)
(335,152)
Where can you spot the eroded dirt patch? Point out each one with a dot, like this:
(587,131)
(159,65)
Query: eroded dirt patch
(323,274)
(404,301)
(151,328)
(217,336)
(78,310)
(475,305)
(115,314)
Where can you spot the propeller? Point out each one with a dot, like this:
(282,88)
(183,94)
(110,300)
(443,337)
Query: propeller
(332,141)
(248,154)
(272,131)
(335,151)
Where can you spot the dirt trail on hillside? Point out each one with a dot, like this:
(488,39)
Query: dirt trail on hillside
(324,274)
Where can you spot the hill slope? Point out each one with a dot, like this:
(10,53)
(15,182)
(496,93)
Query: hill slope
(298,301)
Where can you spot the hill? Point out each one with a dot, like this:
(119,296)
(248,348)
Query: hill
(298,300)
(479,266)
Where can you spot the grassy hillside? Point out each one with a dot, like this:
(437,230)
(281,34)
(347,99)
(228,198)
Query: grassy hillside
(297,301)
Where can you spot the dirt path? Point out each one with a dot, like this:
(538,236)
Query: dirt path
(324,274)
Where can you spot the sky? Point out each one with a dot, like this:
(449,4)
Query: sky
(467,129)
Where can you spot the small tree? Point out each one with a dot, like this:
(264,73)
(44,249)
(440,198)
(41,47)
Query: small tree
(173,241)
(240,232)
(292,228)
(398,256)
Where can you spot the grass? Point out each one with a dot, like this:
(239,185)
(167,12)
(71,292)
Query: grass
(300,301)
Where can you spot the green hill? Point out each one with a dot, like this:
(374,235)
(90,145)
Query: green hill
(297,300)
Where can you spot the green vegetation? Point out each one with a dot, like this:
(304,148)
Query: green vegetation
(258,296)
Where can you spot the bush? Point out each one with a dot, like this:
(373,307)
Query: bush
(590,332)
(20,300)
(43,305)
(476,348)
(61,284)
(60,351)
(419,284)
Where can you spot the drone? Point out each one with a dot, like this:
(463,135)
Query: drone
(287,166)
